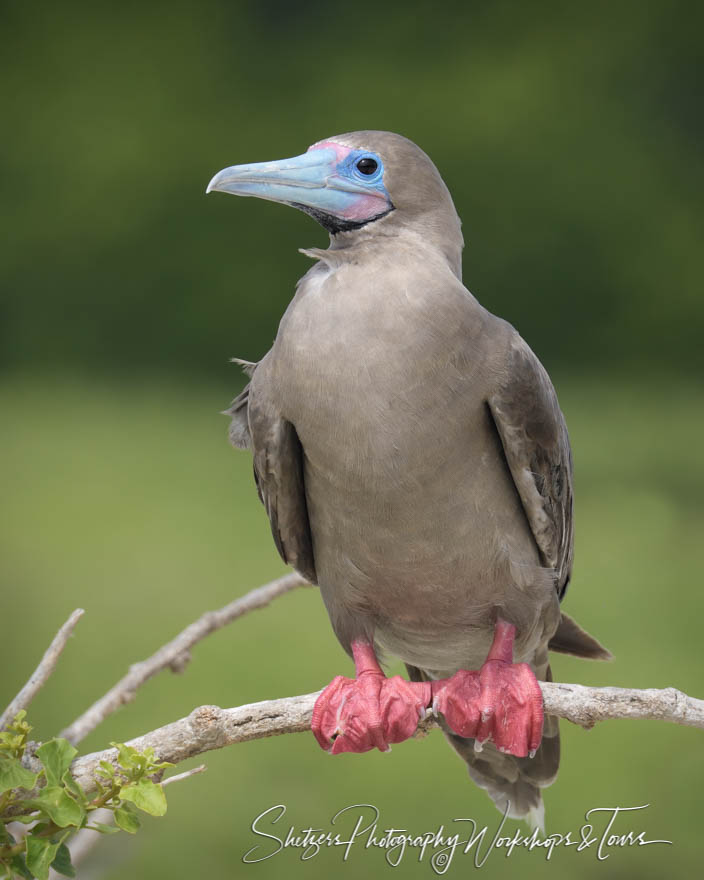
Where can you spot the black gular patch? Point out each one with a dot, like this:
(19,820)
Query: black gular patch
(336,224)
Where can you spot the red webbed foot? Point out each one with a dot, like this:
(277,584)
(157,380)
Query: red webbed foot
(502,702)
(369,711)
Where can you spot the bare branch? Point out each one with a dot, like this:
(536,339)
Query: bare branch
(587,705)
(201,768)
(175,654)
(41,674)
(209,727)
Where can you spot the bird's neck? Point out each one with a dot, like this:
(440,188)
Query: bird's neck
(389,237)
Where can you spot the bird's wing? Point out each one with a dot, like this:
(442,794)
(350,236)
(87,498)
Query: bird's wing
(278,472)
(537,449)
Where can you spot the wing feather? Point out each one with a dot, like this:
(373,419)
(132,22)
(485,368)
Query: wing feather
(279,474)
(537,449)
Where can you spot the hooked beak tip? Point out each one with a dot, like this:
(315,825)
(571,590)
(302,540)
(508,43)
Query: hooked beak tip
(216,181)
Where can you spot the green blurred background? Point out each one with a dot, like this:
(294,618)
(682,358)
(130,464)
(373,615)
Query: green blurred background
(570,137)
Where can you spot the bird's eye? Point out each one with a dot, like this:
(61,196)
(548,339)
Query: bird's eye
(367,165)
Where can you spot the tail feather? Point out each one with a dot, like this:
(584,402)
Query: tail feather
(570,638)
(514,784)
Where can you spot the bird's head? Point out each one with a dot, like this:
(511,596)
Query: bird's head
(355,181)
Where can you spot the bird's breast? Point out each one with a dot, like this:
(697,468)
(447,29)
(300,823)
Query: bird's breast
(375,354)
(386,385)
(385,380)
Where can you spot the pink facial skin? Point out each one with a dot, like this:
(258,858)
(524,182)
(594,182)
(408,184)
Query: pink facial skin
(365,205)
(341,151)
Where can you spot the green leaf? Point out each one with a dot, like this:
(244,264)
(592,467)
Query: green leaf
(62,862)
(158,768)
(18,725)
(12,741)
(127,820)
(75,789)
(40,826)
(102,828)
(19,866)
(128,757)
(56,756)
(146,795)
(106,769)
(14,775)
(59,806)
(40,854)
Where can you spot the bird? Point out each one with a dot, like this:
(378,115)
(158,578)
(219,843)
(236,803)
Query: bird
(414,463)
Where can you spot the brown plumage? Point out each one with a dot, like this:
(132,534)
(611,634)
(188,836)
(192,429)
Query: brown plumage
(412,457)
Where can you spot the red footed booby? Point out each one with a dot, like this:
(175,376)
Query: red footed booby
(414,463)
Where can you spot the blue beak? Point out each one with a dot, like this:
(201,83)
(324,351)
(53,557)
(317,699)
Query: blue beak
(309,181)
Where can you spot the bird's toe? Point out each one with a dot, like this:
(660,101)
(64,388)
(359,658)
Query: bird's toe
(356,715)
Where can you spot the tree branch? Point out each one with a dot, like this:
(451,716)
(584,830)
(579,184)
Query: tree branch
(194,771)
(175,654)
(41,674)
(587,705)
(209,727)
